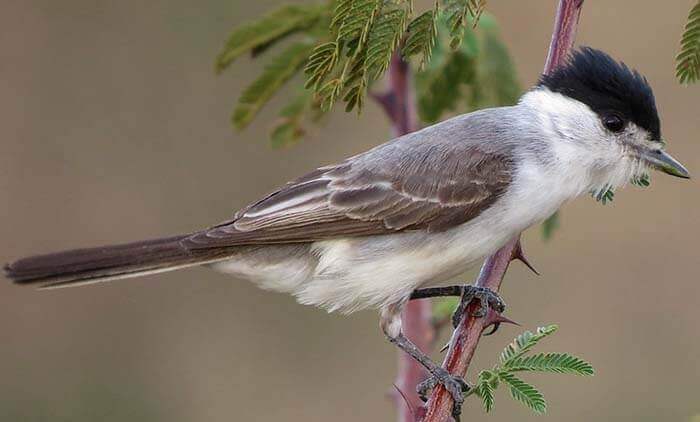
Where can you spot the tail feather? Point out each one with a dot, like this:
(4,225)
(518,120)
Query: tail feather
(79,266)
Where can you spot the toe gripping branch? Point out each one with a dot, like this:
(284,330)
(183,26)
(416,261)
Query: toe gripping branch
(491,306)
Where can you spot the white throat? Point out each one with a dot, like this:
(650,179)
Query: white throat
(584,158)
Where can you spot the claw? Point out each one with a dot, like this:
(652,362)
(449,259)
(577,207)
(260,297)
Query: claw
(454,385)
(425,386)
(520,256)
(487,300)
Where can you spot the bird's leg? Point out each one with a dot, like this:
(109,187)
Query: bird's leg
(487,298)
(390,322)
(437,292)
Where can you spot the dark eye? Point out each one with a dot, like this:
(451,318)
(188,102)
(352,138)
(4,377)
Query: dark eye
(613,122)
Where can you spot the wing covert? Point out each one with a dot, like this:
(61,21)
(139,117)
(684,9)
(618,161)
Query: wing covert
(396,186)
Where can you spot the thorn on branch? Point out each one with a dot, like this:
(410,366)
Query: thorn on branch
(414,412)
(495,319)
(520,256)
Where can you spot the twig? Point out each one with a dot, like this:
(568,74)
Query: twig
(399,105)
(468,332)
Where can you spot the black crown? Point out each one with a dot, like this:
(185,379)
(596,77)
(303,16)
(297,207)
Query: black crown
(606,86)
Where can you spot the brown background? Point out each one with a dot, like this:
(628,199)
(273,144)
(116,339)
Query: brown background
(114,127)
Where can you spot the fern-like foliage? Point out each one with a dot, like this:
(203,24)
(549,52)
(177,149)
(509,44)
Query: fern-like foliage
(309,24)
(688,59)
(524,342)
(263,32)
(560,363)
(479,73)
(366,33)
(604,195)
(498,83)
(643,180)
(459,14)
(485,388)
(513,359)
(421,36)
(525,393)
(276,73)
(355,41)
(550,225)
(289,128)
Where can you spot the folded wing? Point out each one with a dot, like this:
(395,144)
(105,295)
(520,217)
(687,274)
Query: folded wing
(401,185)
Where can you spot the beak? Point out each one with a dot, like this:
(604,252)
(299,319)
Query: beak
(663,161)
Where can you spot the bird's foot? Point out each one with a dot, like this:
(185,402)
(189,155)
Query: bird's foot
(454,385)
(487,299)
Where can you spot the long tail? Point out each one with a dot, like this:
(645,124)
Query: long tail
(82,266)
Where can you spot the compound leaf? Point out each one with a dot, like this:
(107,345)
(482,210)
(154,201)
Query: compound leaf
(421,36)
(688,59)
(266,30)
(525,393)
(525,342)
(275,74)
(560,363)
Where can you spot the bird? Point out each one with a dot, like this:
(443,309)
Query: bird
(418,210)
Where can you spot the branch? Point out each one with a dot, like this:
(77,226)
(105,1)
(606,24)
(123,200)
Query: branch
(399,106)
(468,333)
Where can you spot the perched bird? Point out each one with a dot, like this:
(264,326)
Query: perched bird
(415,211)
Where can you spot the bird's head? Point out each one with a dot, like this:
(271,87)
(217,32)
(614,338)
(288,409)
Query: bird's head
(604,106)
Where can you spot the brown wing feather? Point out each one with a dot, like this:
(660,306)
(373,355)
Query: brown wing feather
(431,189)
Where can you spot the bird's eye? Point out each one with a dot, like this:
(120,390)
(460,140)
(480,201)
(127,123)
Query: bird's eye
(613,122)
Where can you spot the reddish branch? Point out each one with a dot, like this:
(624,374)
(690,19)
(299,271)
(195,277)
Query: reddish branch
(468,332)
(399,105)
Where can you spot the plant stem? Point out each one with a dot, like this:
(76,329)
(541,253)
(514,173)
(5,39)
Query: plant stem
(399,105)
(468,333)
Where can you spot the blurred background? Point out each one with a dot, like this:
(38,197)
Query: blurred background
(114,127)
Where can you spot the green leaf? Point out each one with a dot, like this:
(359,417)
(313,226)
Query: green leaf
(357,22)
(688,59)
(643,180)
(460,13)
(440,86)
(340,13)
(441,90)
(275,74)
(604,195)
(525,393)
(497,83)
(550,225)
(444,307)
(485,387)
(560,363)
(288,129)
(322,60)
(421,36)
(266,30)
(384,38)
(367,32)
(479,73)
(525,342)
